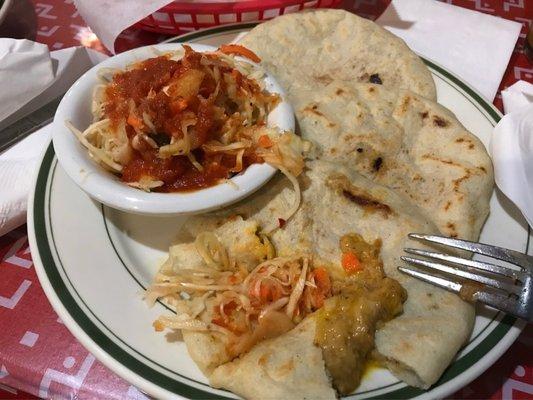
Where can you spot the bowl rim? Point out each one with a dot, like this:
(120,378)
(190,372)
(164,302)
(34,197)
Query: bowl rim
(106,188)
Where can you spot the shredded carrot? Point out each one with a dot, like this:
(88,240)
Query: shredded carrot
(323,286)
(135,122)
(240,51)
(265,293)
(269,293)
(322,280)
(228,324)
(158,326)
(220,322)
(351,263)
(178,105)
(265,141)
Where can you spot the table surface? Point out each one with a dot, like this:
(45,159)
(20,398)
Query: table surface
(39,356)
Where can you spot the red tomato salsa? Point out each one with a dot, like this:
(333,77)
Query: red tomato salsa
(170,109)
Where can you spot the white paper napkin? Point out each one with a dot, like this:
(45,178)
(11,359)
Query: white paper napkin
(517,96)
(107,19)
(473,45)
(511,148)
(18,164)
(30,57)
(17,169)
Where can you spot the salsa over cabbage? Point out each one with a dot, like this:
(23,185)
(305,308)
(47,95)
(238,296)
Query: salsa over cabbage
(181,122)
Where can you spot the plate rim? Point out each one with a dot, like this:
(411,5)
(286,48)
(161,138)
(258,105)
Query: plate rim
(38,197)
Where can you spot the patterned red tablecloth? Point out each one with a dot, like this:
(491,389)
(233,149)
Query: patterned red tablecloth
(38,355)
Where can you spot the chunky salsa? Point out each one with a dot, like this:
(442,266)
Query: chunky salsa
(173,123)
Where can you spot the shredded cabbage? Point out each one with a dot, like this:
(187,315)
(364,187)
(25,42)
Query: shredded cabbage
(222,298)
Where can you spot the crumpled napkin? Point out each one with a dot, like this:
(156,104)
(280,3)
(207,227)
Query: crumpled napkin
(31,58)
(107,19)
(511,148)
(517,96)
(473,45)
(18,164)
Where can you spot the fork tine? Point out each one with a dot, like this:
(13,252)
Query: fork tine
(503,303)
(495,269)
(464,274)
(499,253)
(435,280)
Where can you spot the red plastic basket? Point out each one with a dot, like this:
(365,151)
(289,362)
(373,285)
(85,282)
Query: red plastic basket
(180,17)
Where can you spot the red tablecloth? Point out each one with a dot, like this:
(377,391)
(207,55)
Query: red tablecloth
(38,355)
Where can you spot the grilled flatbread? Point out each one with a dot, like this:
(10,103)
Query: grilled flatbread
(311,49)
(340,201)
(408,143)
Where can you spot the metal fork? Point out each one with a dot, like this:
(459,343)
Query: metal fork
(506,289)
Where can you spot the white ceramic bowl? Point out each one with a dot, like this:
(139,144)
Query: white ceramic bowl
(107,188)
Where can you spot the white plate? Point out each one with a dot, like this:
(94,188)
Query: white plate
(93,263)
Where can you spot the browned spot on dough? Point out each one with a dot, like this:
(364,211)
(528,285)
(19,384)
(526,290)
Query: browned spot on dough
(483,169)
(313,109)
(342,185)
(326,79)
(333,150)
(359,149)
(452,228)
(460,140)
(429,294)
(263,359)
(434,307)
(471,146)
(339,91)
(348,137)
(376,79)
(449,162)
(366,202)
(406,346)
(376,165)
(457,182)
(371,89)
(447,205)
(286,368)
(405,104)
(424,115)
(440,122)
